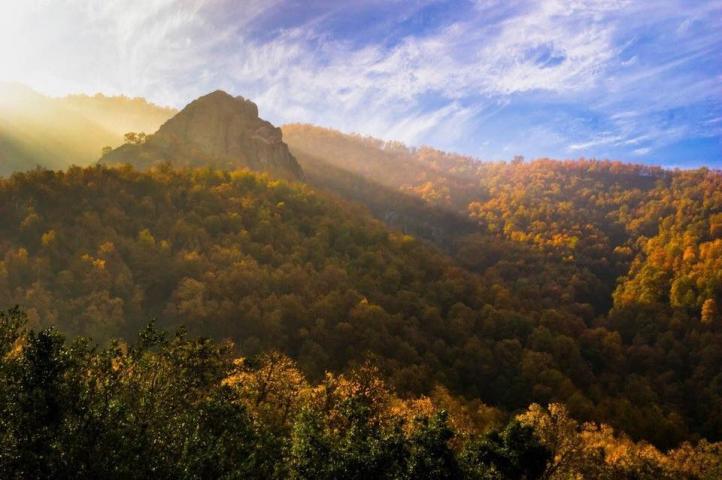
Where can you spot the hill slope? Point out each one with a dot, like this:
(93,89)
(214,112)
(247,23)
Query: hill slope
(595,216)
(629,248)
(275,265)
(36,130)
(595,284)
(119,114)
(180,407)
(236,255)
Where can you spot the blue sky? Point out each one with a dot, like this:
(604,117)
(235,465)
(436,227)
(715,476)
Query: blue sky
(638,81)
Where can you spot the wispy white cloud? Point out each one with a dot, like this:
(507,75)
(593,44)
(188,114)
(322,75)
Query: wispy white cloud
(601,139)
(385,91)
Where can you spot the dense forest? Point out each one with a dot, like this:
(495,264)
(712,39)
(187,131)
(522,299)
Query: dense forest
(172,406)
(276,265)
(201,278)
(627,253)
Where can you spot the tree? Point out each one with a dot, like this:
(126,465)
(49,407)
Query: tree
(431,457)
(710,313)
(515,453)
(558,433)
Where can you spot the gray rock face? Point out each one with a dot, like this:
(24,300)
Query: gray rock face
(217,130)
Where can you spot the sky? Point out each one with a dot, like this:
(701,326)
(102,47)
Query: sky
(637,81)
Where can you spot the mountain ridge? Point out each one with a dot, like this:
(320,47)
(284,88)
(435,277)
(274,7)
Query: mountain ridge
(41,131)
(119,114)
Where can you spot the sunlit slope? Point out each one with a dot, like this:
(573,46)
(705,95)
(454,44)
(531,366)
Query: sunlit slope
(270,264)
(628,254)
(39,131)
(119,115)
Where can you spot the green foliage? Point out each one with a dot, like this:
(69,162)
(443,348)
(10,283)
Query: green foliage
(431,457)
(173,407)
(513,453)
(71,411)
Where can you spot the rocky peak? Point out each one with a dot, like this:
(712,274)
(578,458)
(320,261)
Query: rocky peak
(219,130)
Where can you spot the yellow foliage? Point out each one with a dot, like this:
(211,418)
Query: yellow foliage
(710,313)
(97,263)
(106,248)
(48,238)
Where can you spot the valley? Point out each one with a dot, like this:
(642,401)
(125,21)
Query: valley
(484,289)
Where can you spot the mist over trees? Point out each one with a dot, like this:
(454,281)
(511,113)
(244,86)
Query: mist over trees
(55,133)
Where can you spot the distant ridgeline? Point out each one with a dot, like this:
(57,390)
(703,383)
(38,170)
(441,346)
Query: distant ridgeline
(55,133)
(575,231)
(215,130)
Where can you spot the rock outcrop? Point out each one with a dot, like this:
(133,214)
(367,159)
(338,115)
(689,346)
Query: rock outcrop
(214,130)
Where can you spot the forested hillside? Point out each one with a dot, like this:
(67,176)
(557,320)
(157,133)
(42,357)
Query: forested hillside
(590,283)
(627,249)
(276,265)
(196,285)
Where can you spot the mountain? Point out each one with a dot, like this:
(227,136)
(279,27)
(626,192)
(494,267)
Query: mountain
(215,130)
(618,234)
(591,283)
(40,131)
(276,265)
